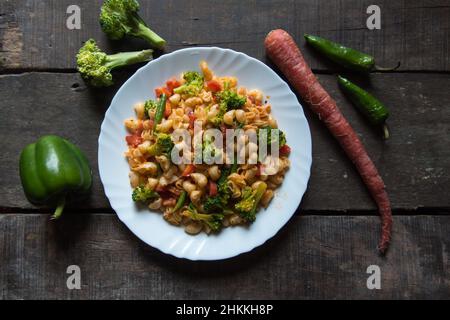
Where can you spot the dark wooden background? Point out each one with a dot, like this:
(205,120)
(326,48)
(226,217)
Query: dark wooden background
(326,248)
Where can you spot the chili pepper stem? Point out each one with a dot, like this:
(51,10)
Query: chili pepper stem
(378,68)
(385,132)
(59,209)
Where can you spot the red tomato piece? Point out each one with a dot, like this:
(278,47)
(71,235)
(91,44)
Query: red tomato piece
(134,140)
(172,84)
(214,85)
(285,150)
(159,91)
(168,109)
(191,119)
(188,170)
(212,189)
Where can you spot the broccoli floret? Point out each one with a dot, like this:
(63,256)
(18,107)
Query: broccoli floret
(231,99)
(119,18)
(217,120)
(217,204)
(213,221)
(95,66)
(192,86)
(149,105)
(279,139)
(143,194)
(210,152)
(163,145)
(250,199)
(223,189)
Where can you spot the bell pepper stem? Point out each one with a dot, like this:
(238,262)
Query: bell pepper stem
(378,68)
(59,209)
(385,132)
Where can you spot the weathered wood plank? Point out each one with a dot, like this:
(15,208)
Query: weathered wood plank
(33,34)
(415,162)
(322,257)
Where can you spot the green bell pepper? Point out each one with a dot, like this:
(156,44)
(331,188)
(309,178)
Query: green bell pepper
(51,169)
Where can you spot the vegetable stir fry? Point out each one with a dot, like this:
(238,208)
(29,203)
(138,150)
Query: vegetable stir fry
(213,188)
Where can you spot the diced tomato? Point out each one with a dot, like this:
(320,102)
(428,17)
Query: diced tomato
(192,118)
(168,109)
(134,140)
(172,84)
(285,150)
(188,170)
(159,91)
(214,85)
(212,188)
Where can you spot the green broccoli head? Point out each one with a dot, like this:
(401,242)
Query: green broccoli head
(119,18)
(249,202)
(92,65)
(143,194)
(277,139)
(215,204)
(209,150)
(213,221)
(223,188)
(149,105)
(217,120)
(192,86)
(231,99)
(116,17)
(163,145)
(95,66)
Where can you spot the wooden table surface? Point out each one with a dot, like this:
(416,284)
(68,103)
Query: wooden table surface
(326,248)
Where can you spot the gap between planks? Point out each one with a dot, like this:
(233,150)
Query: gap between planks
(22,71)
(430,211)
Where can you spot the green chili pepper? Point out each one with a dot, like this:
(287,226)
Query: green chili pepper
(370,106)
(346,57)
(160,109)
(51,169)
(180,202)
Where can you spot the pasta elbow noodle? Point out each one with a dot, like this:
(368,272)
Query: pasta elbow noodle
(228,117)
(207,73)
(214,172)
(140,110)
(195,196)
(189,187)
(199,179)
(267,197)
(165,126)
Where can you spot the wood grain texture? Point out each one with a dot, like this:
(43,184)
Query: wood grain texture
(323,257)
(414,163)
(33,34)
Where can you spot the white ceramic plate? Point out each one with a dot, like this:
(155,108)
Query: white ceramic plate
(149,226)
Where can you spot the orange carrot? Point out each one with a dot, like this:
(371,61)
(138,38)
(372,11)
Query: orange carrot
(283,51)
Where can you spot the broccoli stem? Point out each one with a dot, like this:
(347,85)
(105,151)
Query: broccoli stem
(127,58)
(147,34)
